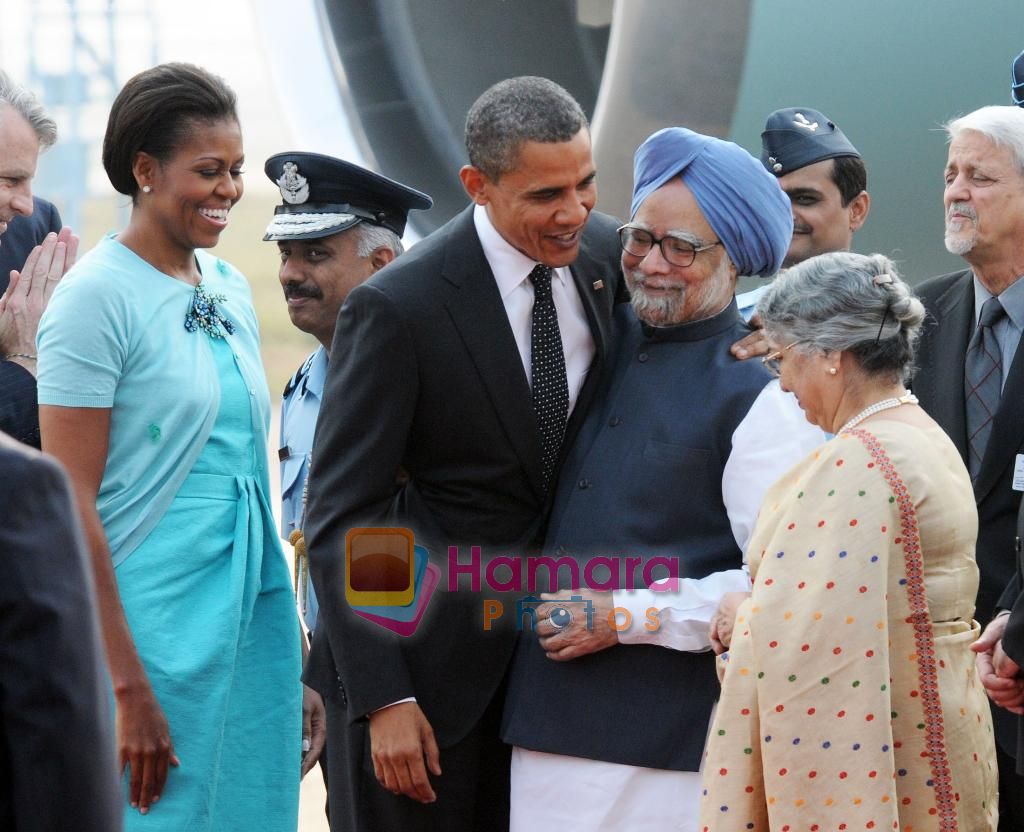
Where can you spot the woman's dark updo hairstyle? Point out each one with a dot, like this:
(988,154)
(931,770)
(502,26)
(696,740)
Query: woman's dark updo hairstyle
(154,113)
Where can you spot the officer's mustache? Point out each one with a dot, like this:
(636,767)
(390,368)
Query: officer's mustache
(302,290)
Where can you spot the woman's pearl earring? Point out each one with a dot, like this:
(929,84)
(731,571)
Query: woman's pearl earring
(832,371)
(146,189)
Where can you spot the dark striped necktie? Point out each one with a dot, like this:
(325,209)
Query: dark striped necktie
(983,381)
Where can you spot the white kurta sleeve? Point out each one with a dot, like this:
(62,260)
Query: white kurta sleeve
(683,614)
(771,439)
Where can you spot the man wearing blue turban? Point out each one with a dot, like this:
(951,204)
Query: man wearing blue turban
(669,468)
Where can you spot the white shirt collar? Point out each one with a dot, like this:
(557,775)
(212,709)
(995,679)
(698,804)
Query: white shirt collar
(509,265)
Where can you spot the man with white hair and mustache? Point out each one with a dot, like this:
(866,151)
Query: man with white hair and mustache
(971,377)
(671,462)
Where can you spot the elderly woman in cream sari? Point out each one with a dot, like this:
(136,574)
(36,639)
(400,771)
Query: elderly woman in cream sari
(849,695)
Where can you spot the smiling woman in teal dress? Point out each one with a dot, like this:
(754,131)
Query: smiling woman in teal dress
(153,397)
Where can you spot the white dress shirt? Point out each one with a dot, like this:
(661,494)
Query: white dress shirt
(511,270)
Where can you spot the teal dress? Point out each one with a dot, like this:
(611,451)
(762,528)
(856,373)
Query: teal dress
(209,603)
(202,578)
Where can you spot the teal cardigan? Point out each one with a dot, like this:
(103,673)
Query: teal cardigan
(113,336)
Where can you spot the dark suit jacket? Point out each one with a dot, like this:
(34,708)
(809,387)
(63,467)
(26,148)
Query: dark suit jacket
(57,763)
(647,435)
(939,384)
(24,234)
(1013,637)
(425,376)
(19,414)
(19,410)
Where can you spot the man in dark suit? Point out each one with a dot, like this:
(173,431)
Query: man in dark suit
(57,764)
(971,377)
(458,374)
(24,130)
(23,234)
(1007,654)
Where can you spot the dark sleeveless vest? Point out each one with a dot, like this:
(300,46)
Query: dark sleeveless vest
(644,479)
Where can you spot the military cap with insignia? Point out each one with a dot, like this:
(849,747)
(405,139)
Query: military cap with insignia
(796,137)
(323,196)
(1017,80)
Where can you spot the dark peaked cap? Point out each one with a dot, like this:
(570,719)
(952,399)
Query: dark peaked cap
(1017,80)
(796,137)
(322,195)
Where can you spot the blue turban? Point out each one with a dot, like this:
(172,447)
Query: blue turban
(742,202)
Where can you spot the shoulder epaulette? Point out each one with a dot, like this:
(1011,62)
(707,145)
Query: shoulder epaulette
(299,376)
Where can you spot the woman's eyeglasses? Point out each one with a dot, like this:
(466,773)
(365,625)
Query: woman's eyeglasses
(773,361)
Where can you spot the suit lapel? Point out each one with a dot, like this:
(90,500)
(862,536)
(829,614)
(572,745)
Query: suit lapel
(941,382)
(477,312)
(596,291)
(1007,430)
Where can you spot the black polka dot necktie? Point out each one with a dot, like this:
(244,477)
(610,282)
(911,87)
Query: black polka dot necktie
(983,381)
(547,370)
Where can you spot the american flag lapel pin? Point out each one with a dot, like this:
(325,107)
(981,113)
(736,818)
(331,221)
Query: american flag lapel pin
(598,285)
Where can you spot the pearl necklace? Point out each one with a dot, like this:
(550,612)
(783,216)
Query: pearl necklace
(871,410)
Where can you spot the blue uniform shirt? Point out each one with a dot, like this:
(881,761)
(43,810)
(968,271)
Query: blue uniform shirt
(747,302)
(299,410)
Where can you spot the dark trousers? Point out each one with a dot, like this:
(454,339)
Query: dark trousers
(324,765)
(1011,784)
(472,791)
(1011,793)
(324,769)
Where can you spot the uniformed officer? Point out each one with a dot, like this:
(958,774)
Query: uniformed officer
(338,223)
(825,179)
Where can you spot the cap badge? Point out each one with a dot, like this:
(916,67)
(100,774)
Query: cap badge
(776,165)
(800,120)
(294,187)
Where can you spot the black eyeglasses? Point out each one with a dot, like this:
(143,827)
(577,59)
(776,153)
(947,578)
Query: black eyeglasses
(675,250)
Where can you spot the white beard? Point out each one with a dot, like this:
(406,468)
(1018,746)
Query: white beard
(958,243)
(667,310)
(962,234)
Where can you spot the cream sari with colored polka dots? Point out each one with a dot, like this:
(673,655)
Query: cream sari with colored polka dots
(849,699)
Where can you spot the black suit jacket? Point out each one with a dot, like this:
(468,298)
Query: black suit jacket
(19,414)
(57,763)
(24,234)
(939,384)
(425,377)
(1013,637)
(19,410)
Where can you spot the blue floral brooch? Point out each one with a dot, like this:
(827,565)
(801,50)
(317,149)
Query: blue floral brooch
(204,314)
